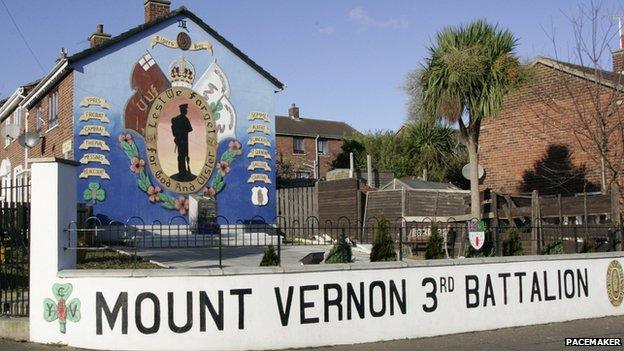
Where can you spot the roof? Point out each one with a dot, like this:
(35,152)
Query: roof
(180,11)
(285,125)
(607,78)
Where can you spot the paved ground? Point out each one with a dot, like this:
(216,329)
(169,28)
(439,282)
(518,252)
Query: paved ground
(532,338)
(208,257)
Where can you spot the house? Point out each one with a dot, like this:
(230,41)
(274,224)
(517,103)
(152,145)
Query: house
(548,135)
(160,118)
(308,146)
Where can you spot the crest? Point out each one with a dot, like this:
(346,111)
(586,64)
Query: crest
(61,309)
(615,283)
(476,233)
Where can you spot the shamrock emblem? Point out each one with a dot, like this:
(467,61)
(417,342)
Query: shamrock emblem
(94,193)
(61,309)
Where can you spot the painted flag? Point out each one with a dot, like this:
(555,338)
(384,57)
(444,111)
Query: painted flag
(214,86)
(147,81)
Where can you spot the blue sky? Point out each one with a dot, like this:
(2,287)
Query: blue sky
(341,60)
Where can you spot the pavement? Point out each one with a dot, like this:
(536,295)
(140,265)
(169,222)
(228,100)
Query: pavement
(530,338)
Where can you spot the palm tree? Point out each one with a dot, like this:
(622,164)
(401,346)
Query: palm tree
(465,78)
(434,147)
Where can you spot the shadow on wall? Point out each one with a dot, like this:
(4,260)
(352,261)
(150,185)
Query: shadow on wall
(555,173)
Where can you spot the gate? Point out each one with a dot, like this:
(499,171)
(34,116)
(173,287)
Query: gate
(14,248)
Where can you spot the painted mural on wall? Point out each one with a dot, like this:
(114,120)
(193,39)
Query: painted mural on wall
(175,126)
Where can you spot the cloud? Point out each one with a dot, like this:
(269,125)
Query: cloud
(326,30)
(359,15)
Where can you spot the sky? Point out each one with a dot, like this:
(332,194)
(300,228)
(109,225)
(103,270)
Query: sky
(340,59)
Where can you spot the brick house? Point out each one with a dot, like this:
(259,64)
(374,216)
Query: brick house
(302,143)
(111,108)
(545,137)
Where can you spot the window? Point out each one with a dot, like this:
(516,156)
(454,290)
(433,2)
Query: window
(53,109)
(38,119)
(298,146)
(322,147)
(7,139)
(302,175)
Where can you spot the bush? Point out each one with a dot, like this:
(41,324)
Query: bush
(587,247)
(383,245)
(434,245)
(340,253)
(554,248)
(270,257)
(512,246)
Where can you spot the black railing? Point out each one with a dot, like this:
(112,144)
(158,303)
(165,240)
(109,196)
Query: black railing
(224,240)
(14,258)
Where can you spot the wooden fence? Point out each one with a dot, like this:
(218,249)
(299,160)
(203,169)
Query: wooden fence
(296,205)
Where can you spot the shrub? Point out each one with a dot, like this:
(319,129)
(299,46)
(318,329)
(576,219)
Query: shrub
(512,246)
(340,253)
(434,245)
(587,247)
(383,245)
(554,248)
(270,257)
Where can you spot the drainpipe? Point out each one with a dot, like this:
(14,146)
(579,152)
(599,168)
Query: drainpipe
(317,170)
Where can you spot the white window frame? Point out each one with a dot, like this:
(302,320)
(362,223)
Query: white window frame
(298,151)
(53,109)
(38,119)
(323,150)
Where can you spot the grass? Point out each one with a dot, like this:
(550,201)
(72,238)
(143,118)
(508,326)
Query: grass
(109,259)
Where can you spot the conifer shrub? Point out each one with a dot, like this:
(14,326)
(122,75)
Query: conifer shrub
(434,245)
(270,257)
(512,246)
(340,253)
(383,245)
(554,248)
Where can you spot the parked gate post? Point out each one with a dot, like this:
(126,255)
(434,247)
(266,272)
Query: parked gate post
(53,208)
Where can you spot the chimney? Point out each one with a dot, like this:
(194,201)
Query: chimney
(99,37)
(293,112)
(155,9)
(617,56)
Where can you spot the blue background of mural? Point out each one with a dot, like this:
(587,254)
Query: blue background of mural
(107,73)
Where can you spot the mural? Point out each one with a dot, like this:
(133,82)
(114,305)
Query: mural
(61,309)
(159,122)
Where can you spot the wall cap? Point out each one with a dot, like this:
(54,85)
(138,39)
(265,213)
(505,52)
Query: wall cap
(54,160)
(228,271)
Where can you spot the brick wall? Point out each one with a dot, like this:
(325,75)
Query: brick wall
(51,143)
(529,144)
(285,147)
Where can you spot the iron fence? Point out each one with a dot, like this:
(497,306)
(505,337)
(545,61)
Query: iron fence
(14,258)
(221,239)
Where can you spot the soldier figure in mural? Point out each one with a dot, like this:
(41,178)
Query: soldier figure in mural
(181,127)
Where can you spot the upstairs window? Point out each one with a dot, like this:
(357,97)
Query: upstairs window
(322,147)
(53,109)
(38,119)
(298,146)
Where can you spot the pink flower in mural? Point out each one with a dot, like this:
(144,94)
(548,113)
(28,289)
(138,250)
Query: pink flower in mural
(125,137)
(224,167)
(182,205)
(152,193)
(209,191)
(137,164)
(236,146)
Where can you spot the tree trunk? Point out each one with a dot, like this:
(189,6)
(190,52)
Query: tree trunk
(475,201)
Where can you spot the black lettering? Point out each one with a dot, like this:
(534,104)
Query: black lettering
(217,317)
(431,294)
(520,275)
(241,305)
(401,299)
(535,289)
(504,276)
(582,282)
(189,313)
(472,291)
(568,273)
(138,318)
(303,304)
(371,290)
(559,282)
(489,292)
(352,299)
(120,305)
(546,296)
(337,301)
(284,312)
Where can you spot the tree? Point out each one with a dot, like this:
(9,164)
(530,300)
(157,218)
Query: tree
(465,78)
(383,245)
(434,146)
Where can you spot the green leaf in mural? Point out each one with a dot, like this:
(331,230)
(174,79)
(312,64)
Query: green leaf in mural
(49,310)
(94,193)
(62,291)
(73,310)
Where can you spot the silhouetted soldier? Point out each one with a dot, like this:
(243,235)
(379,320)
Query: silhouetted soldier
(181,127)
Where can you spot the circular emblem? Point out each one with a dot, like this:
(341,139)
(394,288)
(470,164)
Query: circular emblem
(184,41)
(615,283)
(181,140)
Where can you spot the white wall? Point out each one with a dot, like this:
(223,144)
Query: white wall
(262,325)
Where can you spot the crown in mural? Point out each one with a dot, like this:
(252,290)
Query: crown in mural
(182,73)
